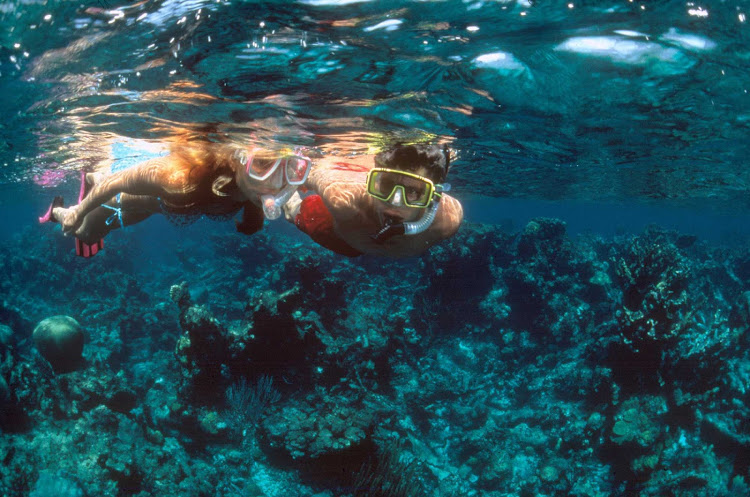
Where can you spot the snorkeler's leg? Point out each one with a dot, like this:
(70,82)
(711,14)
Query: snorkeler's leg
(126,210)
(49,216)
(94,178)
(84,247)
(152,177)
(57,211)
(58,214)
(136,208)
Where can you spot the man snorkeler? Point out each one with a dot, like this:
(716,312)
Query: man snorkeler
(393,204)
(198,178)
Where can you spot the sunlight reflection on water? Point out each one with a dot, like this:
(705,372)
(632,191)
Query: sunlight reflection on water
(611,101)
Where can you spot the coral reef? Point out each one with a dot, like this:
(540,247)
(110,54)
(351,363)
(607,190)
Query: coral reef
(529,363)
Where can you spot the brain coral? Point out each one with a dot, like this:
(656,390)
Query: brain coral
(59,340)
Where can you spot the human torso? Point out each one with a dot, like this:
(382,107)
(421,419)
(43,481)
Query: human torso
(196,168)
(358,233)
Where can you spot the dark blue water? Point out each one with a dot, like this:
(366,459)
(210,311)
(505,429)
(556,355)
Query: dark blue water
(585,333)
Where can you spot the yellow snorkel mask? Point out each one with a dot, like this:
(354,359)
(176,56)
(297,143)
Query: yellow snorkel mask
(404,187)
(409,189)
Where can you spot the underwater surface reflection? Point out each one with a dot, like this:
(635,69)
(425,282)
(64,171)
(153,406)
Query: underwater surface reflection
(558,344)
(598,101)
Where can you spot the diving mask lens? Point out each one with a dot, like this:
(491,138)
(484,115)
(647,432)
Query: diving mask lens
(415,190)
(296,169)
(261,169)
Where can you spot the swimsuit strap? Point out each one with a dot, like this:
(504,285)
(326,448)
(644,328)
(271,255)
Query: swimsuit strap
(115,215)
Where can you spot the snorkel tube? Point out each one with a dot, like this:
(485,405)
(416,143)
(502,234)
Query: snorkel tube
(272,203)
(390,230)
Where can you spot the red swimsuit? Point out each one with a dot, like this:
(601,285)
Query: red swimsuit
(316,220)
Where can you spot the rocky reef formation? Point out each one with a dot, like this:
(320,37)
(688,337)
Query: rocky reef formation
(527,363)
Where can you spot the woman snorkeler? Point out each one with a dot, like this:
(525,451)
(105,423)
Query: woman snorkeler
(196,178)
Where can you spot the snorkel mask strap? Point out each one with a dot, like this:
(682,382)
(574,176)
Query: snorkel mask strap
(390,230)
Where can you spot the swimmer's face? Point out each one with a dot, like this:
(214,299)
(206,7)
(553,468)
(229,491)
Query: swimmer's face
(251,187)
(396,211)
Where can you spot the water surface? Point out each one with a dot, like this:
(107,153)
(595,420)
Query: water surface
(596,101)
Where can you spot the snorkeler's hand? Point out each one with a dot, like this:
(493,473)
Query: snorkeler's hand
(252,219)
(247,228)
(292,206)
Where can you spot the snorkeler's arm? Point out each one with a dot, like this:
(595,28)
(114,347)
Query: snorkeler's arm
(343,192)
(252,219)
(313,218)
(155,178)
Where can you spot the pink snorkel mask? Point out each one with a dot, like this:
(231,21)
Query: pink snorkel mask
(296,169)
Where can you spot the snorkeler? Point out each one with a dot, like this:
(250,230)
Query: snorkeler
(393,204)
(194,179)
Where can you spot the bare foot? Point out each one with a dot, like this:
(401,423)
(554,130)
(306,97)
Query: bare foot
(68,218)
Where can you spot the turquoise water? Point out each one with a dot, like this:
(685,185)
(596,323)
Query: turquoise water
(544,100)
(555,346)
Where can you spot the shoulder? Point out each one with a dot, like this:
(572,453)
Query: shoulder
(340,181)
(344,200)
(450,216)
(331,169)
(346,164)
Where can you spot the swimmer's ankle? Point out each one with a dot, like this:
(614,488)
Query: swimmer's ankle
(58,213)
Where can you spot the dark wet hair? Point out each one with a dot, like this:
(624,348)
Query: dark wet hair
(434,158)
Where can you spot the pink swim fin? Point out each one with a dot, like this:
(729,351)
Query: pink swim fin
(47,217)
(82,248)
(88,249)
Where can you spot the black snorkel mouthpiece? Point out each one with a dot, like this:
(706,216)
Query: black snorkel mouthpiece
(387,232)
(390,230)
